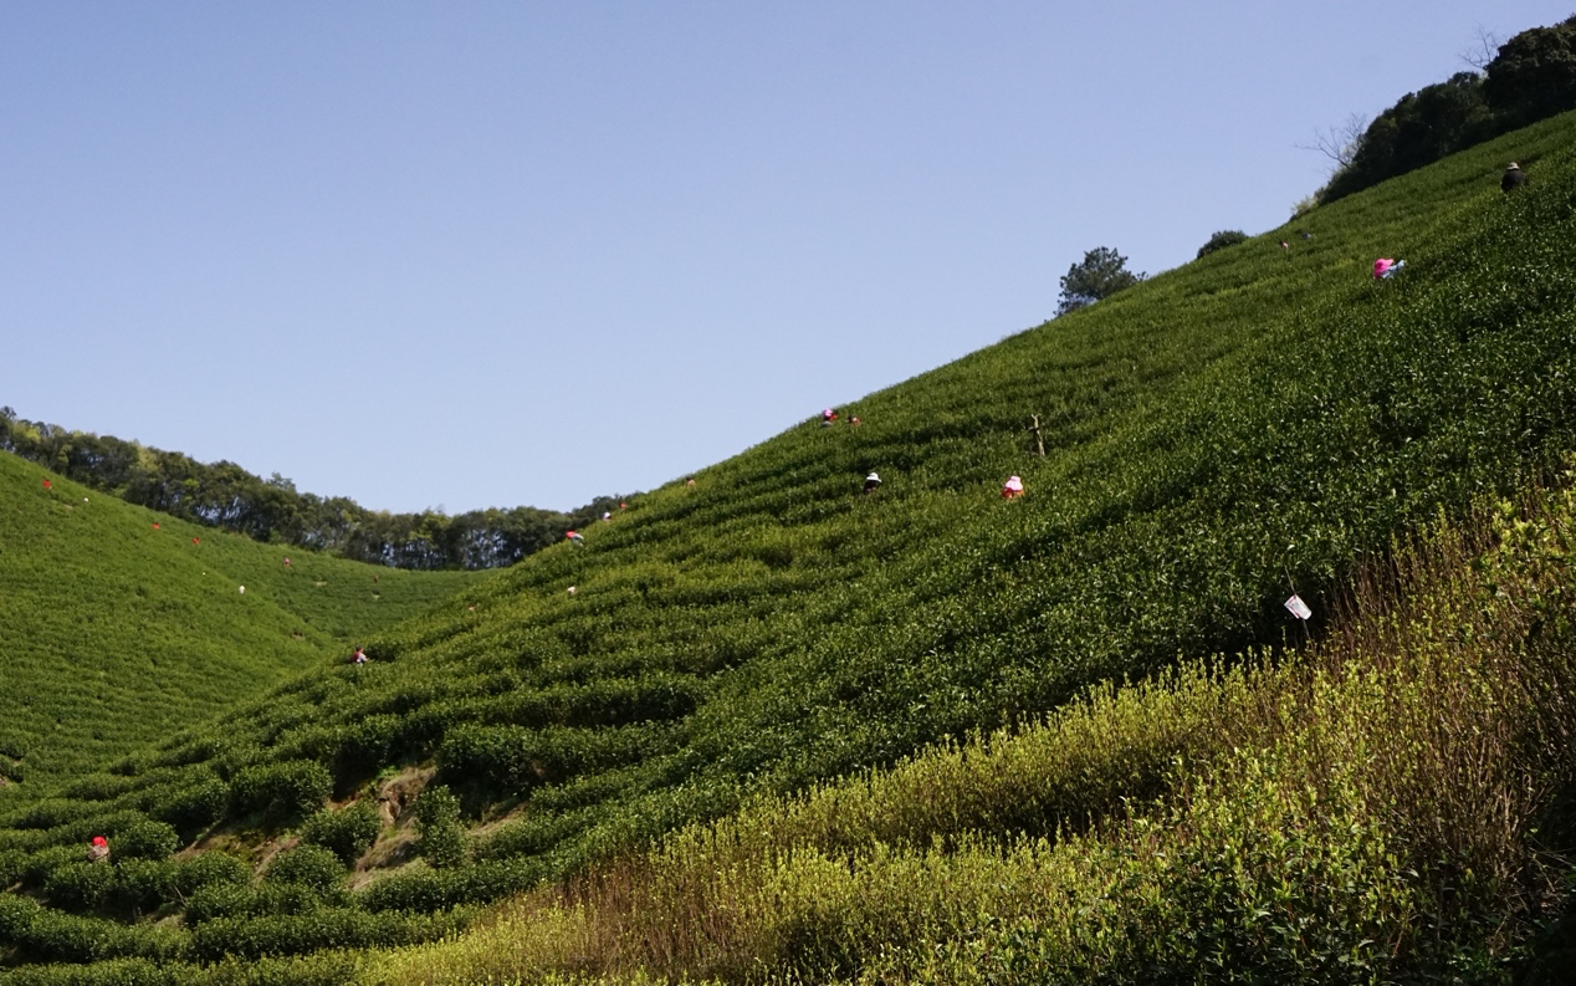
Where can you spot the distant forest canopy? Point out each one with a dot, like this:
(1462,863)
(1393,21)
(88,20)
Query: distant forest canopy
(223,495)
(1532,76)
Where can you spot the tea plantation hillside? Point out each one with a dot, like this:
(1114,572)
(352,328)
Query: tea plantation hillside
(1257,423)
(122,625)
(1391,804)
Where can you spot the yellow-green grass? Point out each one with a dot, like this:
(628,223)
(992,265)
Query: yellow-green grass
(1376,808)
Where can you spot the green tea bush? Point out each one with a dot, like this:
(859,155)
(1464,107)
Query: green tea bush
(188,751)
(144,886)
(43,814)
(534,834)
(321,929)
(48,936)
(348,832)
(223,900)
(280,791)
(508,758)
(145,839)
(16,916)
(210,869)
(98,787)
(134,970)
(13,863)
(35,868)
(308,865)
(428,891)
(443,841)
(81,886)
(191,808)
(364,746)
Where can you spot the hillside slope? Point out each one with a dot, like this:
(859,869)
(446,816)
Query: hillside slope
(122,625)
(1306,818)
(1253,424)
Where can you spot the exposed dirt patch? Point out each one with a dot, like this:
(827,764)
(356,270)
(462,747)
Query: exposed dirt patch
(395,844)
(397,793)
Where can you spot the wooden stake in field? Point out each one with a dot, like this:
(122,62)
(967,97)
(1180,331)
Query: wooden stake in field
(1040,445)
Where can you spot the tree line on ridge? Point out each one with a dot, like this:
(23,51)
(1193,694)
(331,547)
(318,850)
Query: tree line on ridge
(223,495)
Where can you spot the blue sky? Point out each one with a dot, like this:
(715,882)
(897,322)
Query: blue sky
(460,255)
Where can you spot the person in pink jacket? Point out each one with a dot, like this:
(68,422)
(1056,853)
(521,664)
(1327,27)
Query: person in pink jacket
(1385,267)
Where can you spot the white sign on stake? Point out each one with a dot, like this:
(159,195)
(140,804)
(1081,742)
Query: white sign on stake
(1299,609)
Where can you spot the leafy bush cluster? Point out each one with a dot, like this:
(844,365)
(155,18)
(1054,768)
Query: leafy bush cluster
(443,839)
(1221,239)
(347,833)
(281,790)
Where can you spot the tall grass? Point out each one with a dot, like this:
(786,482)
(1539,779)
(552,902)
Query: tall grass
(1390,804)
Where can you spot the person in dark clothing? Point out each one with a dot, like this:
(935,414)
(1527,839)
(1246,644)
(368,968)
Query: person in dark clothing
(872,482)
(1512,178)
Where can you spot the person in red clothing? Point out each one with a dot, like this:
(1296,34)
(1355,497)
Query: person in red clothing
(1385,267)
(1013,488)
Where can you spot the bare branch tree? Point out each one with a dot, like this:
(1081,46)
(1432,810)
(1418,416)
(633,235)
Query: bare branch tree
(1482,51)
(1340,143)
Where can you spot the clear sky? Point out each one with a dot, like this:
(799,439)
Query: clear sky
(471,254)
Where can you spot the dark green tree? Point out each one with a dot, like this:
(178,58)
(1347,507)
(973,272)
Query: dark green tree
(224,495)
(1534,74)
(1103,272)
(1420,128)
(1219,239)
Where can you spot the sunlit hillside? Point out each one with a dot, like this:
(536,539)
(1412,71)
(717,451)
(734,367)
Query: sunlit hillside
(1268,420)
(120,625)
